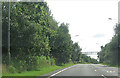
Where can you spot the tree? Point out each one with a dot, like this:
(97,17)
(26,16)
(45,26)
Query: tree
(76,52)
(109,53)
(61,50)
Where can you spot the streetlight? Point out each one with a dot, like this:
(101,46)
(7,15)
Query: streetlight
(114,19)
(110,18)
(117,22)
(9,32)
(75,36)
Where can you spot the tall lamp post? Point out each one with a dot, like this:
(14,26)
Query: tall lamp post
(114,19)
(75,36)
(9,33)
(118,22)
(118,34)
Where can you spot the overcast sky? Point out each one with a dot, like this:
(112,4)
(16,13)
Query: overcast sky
(88,19)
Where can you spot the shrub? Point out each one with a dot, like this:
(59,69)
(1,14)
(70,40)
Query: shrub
(12,69)
(28,62)
(52,61)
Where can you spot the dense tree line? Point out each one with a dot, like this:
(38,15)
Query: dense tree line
(109,53)
(35,32)
(36,36)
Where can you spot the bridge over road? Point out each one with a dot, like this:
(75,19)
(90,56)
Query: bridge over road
(90,53)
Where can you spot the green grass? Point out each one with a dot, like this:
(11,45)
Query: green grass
(40,71)
(109,65)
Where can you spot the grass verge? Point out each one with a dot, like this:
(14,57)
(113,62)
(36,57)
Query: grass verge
(109,65)
(40,71)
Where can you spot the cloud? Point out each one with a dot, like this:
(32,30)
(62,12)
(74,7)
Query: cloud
(98,35)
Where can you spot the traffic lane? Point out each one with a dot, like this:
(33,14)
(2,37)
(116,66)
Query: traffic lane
(80,70)
(90,70)
(51,73)
(105,70)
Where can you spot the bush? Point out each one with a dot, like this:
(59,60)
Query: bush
(35,62)
(12,69)
(27,63)
(52,61)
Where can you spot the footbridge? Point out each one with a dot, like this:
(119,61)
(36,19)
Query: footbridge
(90,53)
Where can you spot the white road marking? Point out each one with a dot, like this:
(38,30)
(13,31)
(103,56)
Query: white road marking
(59,71)
(110,71)
(95,70)
(103,76)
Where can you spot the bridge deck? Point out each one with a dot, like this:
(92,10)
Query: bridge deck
(90,53)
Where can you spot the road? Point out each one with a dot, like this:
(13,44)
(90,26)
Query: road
(85,71)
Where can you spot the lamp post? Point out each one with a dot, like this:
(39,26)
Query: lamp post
(114,19)
(118,22)
(117,34)
(9,33)
(75,36)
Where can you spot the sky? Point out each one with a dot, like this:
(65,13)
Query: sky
(88,19)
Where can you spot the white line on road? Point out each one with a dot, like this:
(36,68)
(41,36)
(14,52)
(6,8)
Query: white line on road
(110,71)
(103,76)
(59,71)
(95,70)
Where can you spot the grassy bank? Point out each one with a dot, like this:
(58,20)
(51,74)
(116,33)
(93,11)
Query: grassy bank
(110,65)
(40,71)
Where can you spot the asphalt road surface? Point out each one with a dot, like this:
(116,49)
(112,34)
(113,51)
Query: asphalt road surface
(85,71)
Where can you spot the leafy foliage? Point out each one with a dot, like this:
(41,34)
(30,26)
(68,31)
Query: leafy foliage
(110,52)
(76,52)
(36,39)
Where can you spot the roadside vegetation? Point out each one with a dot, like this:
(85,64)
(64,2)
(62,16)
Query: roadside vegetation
(109,65)
(38,43)
(109,53)
(39,72)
